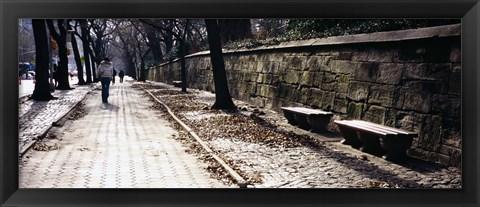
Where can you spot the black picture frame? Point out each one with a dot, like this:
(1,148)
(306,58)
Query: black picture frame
(11,11)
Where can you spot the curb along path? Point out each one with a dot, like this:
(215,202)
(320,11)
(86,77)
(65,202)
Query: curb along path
(238,179)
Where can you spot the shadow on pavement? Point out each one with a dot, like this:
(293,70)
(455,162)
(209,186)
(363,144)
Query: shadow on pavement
(364,167)
(421,165)
(109,107)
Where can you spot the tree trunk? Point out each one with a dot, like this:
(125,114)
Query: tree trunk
(143,76)
(94,66)
(78,61)
(131,65)
(97,51)
(168,39)
(63,82)
(63,76)
(94,60)
(154,45)
(130,70)
(223,99)
(182,58)
(183,68)
(42,59)
(142,70)
(88,71)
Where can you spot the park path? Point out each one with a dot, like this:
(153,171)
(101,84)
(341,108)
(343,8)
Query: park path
(122,144)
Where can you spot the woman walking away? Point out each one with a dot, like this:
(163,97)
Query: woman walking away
(104,72)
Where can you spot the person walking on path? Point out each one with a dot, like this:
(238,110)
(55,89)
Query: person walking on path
(121,74)
(113,76)
(104,72)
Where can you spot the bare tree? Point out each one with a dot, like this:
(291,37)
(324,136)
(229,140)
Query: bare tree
(61,38)
(26,41)
(93,62)
(42,86)
(182,56)
(154,42)
(143,48)
(196,36)
(85,43)
(76,53)
(178,29)
(101,29)
(171,30)
(123,38)
(223,99)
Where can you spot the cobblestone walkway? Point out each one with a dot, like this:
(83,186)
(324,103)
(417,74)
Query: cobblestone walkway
(303,167)
(327,165)
(116,145)
(35,117)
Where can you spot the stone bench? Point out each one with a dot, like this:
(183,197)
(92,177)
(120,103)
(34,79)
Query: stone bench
(177,83)
(306,118)
(376,139)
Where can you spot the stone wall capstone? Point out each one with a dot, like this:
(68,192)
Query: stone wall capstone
(412,82)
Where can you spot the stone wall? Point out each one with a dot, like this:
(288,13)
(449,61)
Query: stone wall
(407,79)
